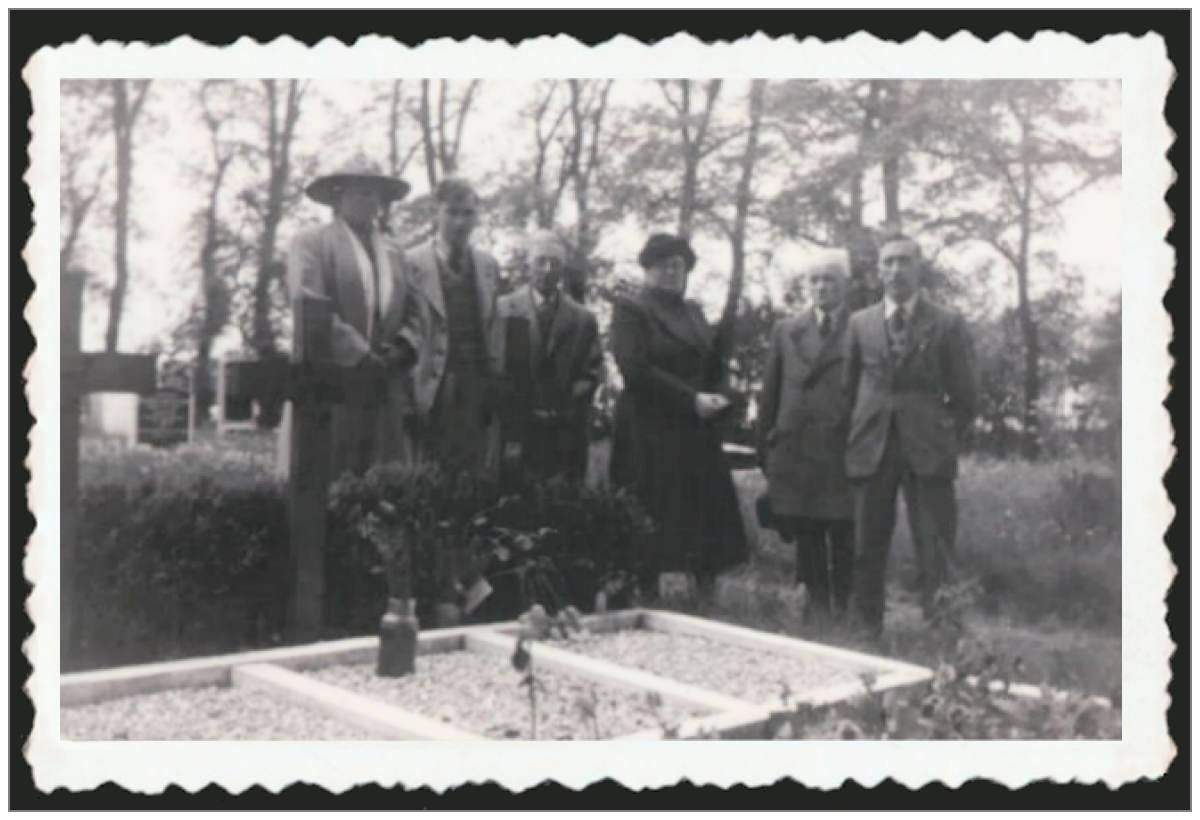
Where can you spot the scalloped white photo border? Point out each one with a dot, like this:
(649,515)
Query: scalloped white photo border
(1147,265)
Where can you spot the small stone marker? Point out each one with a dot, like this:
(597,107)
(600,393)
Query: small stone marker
(164,418)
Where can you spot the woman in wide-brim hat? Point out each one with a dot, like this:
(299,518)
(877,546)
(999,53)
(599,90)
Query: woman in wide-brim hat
(667,445)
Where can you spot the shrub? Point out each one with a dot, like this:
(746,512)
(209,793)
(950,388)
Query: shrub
(548,543)
(970,698)
(185,553)
(175,561)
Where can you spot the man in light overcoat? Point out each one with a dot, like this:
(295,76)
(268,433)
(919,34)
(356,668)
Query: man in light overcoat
(910,372)
(452,320)
(803,415)
(562,367)
(350,262)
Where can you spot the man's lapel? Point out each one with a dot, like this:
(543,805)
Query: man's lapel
(352,295)
(830,347)
(560,324)
(427,271)
(799,332)
(527,309)
(919,327)
(877,330)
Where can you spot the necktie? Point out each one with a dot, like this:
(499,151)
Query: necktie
(899,332)
(545,317)
(826,325)
(455,261)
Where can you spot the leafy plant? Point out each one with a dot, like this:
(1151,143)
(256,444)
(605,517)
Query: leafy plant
(969,698)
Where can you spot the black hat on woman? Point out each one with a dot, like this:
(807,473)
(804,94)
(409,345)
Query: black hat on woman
(662,246)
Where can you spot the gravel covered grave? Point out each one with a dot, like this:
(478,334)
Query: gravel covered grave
(483,694)
(208,713)
(754,675)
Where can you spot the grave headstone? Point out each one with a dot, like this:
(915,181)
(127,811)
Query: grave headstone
(235,395)
(164,418)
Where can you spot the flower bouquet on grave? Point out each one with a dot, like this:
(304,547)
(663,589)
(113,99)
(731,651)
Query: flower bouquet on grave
(398,628)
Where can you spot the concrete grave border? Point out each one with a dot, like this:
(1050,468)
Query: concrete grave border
(276,671)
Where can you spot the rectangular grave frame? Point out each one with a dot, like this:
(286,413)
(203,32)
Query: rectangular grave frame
(277,670)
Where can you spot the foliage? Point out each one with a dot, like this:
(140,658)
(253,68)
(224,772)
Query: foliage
(971,697)
(176,560)
(181,553)
(548,543)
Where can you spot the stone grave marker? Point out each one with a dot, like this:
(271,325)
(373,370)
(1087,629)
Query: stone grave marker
(164,418)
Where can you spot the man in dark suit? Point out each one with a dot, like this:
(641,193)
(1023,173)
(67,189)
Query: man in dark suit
(910,375)
(802,417)
(556,369)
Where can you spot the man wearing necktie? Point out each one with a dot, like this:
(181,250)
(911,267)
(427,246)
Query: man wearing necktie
(909,372)
(556,367)
(453,322)
(802,416)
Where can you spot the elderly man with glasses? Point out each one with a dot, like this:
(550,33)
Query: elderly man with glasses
(802,428)
(554,361)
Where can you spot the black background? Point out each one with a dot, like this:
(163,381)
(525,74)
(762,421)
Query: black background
(30,30)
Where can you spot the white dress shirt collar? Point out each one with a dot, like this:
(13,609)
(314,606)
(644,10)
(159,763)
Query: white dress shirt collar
(890,307)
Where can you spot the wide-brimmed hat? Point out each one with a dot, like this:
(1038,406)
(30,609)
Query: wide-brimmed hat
(662,246)
(325,189)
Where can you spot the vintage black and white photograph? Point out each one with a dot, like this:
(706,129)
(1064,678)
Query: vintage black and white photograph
(492,408)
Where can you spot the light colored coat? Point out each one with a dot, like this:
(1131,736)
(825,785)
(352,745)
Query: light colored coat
(927,394)
(427,329)
(802,419)
(425,324)
(324,262)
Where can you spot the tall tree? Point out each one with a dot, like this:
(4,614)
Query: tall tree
(82,172)
(281,108)
(1018,150)
(693,121)
(127,98)
(743,195)
(442,120)
(218,102)
(589,102)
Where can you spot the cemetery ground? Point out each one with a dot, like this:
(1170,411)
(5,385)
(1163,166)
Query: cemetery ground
(1037,592)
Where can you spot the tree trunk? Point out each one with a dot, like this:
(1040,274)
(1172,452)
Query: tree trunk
(737,275)
(889,109)
(1030,425)
(425,121)
(124,115)
(280,131)
(394,128)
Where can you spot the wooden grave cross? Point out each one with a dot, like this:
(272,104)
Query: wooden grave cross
(83,373)
(314,383)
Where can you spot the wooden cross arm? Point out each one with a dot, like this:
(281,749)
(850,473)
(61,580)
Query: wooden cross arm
(111,372)
(320,381)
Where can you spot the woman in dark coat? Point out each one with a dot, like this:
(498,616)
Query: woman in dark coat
(667,447)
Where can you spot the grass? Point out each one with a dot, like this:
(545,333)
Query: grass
(1041,542)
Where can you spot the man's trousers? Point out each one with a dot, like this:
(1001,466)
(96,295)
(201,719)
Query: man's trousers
(932,519)
(824,559)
